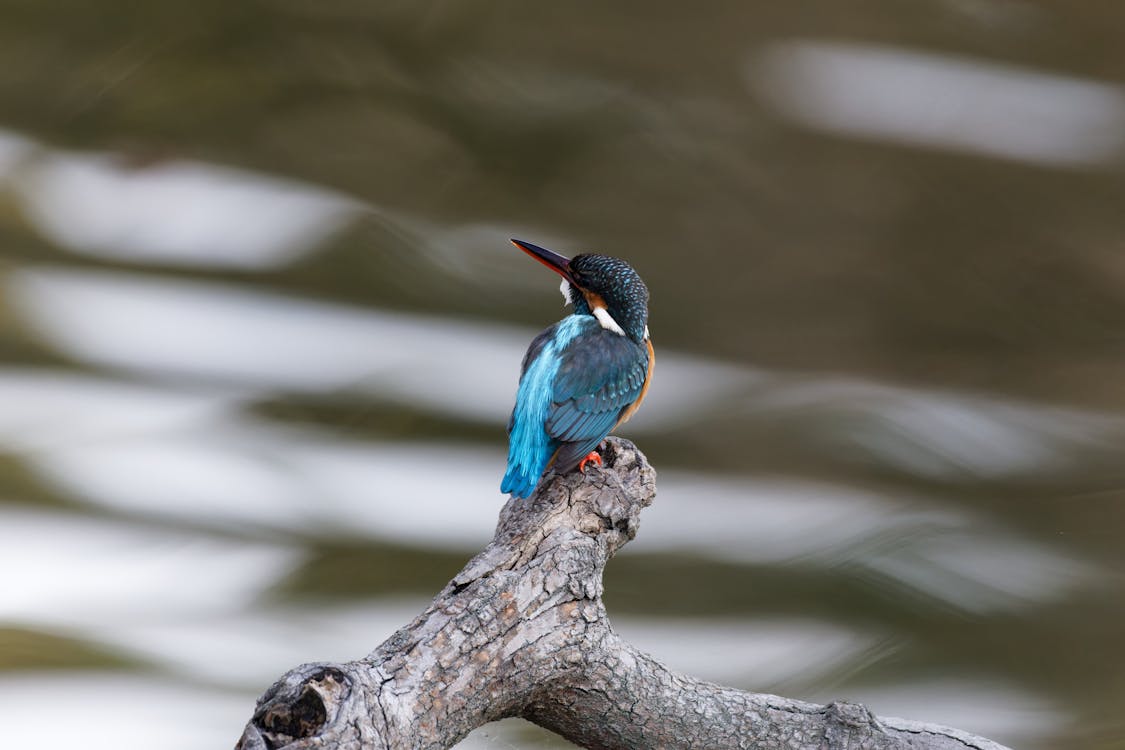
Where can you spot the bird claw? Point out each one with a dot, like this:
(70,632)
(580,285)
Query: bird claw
(591,456)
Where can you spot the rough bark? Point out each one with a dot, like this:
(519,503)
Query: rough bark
(522,631)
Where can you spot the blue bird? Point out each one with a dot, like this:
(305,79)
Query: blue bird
(584,375)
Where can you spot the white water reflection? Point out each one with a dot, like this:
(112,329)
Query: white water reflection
(110,711)
(251,648)
(15,150)
(196,460)
(262,479)
(185,478)
(217,334)
(68,570)
(236,656)
(176,213)
(943,101)
(940,435)
(924,549)
(221,333)
(180,448)
(50,409)
(148,712)
(979,569)
(269,479)
(254,341)
(190,605)
(221,469)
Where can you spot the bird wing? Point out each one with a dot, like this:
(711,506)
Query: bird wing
(533,352)
(599,377)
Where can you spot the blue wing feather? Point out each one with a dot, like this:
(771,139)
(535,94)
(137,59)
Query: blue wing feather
(600,376)
(533,352)
(530,448)
(576,382)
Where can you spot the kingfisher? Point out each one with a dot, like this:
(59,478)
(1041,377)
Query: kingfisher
(583,376)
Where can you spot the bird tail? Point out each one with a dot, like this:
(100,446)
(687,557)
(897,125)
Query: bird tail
(519,482)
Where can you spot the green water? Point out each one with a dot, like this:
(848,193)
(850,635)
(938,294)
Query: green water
(260,327)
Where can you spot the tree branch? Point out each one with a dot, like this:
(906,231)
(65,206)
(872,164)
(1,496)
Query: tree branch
(522,631)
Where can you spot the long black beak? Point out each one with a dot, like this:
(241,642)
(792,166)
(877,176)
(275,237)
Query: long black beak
(560,264)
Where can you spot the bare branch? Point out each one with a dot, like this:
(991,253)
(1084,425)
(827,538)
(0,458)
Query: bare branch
(522,631)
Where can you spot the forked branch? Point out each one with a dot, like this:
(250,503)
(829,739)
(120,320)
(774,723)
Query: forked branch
(522,631)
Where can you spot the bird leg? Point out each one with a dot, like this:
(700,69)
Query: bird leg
(591,456)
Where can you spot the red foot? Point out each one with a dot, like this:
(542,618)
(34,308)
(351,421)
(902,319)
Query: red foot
(591,456)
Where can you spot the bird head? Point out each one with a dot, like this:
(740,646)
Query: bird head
(607,288)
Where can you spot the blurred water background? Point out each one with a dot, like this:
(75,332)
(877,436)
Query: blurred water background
(260,328)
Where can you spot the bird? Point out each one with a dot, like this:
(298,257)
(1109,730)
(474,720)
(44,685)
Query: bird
(582,376)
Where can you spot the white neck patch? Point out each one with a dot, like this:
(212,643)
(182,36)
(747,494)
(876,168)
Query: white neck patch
(607,321)
(565,289)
